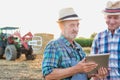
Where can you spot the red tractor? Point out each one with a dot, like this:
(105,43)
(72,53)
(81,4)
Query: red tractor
(12,45)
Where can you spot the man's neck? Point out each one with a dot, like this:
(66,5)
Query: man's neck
(112,31)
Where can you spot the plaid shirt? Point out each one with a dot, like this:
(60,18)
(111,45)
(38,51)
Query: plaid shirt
(106,42)
(56,56)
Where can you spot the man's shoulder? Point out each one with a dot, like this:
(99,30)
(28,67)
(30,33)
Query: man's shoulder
(101,34)
(52,42)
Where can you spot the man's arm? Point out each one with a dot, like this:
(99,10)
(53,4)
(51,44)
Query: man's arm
(58,74)
(82,66)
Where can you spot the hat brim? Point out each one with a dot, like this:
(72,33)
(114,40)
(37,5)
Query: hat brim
(107,13)
(69,19)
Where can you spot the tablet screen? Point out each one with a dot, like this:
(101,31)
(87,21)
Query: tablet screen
(101,59)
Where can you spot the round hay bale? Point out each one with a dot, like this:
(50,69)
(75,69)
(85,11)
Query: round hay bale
(46,37)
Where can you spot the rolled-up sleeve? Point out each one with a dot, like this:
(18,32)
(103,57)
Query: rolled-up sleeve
(50,59)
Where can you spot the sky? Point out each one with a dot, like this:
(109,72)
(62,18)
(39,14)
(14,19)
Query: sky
(40,16)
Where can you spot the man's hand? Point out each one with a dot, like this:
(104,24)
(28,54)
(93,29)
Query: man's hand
(102,73)
(84,66)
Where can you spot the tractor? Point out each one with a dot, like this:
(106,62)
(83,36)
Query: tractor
(12,44)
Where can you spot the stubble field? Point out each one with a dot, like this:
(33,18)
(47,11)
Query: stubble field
(21,69)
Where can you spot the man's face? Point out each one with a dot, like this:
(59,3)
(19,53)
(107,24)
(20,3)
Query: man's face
(113,21)
(70,29)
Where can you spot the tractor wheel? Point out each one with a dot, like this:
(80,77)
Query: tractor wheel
(1,52)
(29,55)
(18,55)
(10,52)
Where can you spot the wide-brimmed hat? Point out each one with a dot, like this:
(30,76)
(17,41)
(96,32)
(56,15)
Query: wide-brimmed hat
(112,8)
(67,14)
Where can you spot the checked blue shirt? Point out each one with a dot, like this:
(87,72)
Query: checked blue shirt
(56,56)
(106,42)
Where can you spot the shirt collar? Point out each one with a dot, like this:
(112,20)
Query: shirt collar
(116,31)
(66,42)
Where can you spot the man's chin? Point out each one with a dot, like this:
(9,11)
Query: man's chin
(73,37)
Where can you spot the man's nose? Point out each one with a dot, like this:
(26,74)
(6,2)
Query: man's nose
(112,21)
(76,28)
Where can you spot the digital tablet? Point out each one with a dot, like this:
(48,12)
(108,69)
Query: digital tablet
(101,59)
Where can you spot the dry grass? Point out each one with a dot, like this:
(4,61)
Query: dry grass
(21,69)
(87,50)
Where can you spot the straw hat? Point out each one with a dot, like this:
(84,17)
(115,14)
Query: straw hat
(67,14)
(112,8)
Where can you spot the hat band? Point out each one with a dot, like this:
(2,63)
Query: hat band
(112,10)
(69,16)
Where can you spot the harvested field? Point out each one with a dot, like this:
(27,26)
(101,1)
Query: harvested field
(21,69)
